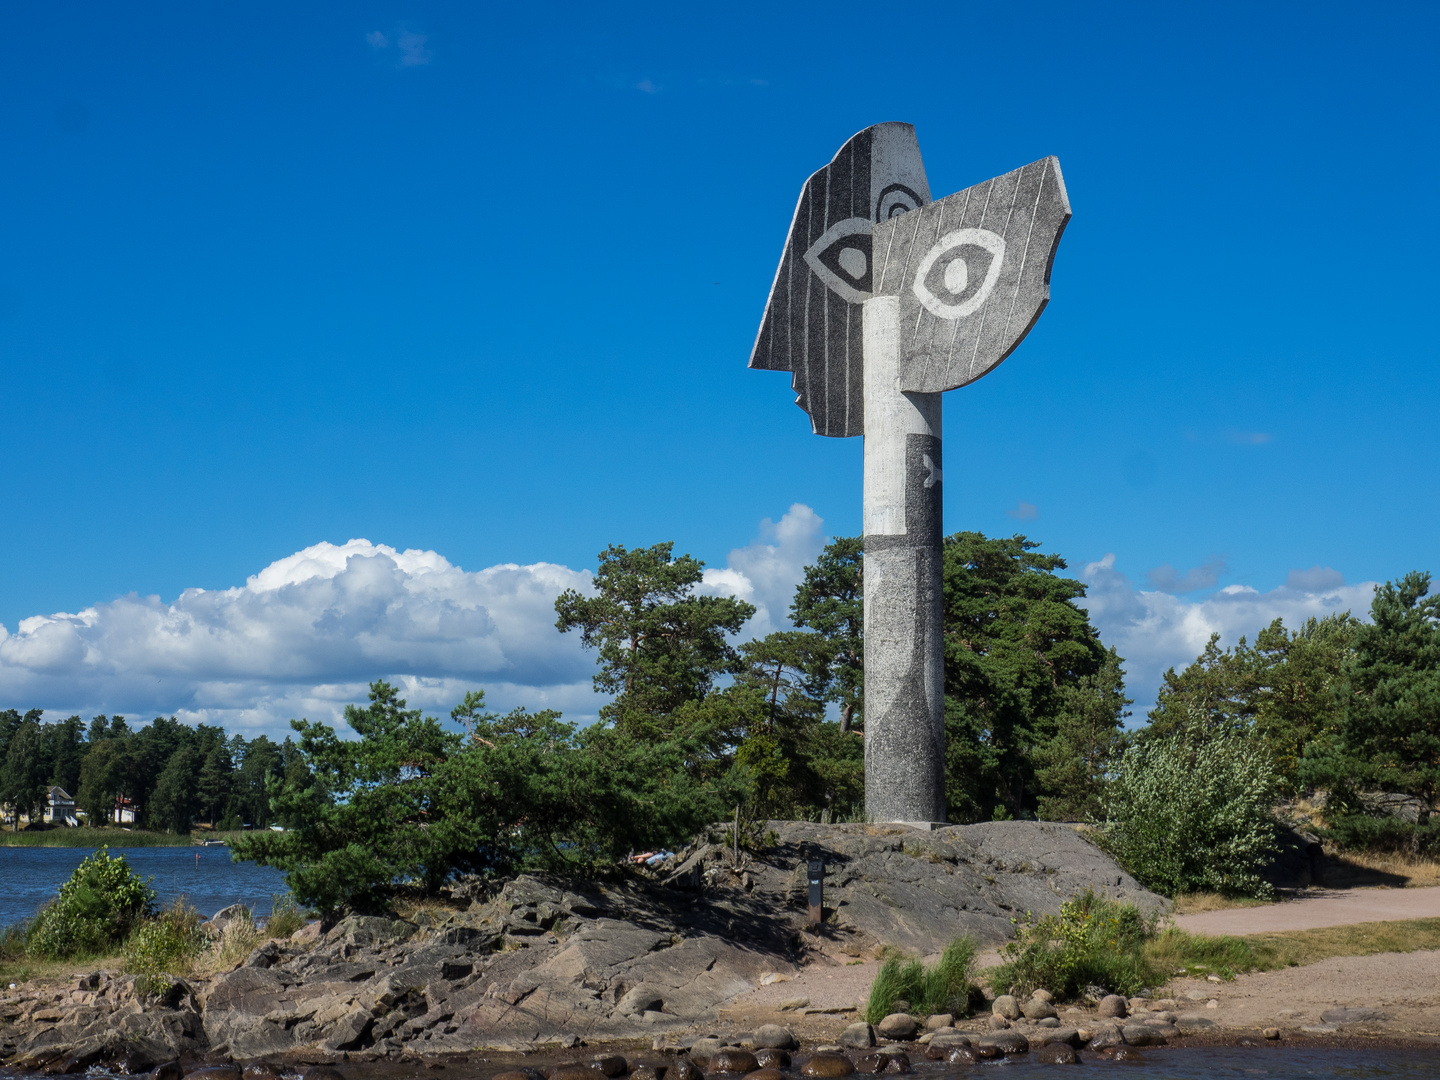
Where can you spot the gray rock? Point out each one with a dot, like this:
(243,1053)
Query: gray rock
(939,1020)
(1005,1005)
(859,1036)
(774,1037)
(996,1022)
(1190,1024)
(1113,1005)
(1145,1034)
(1107,1037)
(945,1039)
(1057,1054)
(1353,1016)
(1046,1036)
(1037,1009)
(897,1026)
(1005,1042)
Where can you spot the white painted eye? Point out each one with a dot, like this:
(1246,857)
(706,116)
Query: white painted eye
(841,259)
(956,275)
(959,272)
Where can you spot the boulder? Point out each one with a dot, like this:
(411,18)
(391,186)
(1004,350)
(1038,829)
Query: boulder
(996,1022)
(771,1057)
(1107,1037)
(860,1036)
(732,1059)
(939,1020)
(1113,1005)
(1006,1042)
(1038,1009)
(765,1074)
(611,1065)
(1057,1054)
(1043,995)
(684,1069)
(871,1063)
(897,1026)
(1144,1034)
(1005,1005)
(944,1040)
(1050,1036)
(827,1066)
(961,1055)
(774,1037)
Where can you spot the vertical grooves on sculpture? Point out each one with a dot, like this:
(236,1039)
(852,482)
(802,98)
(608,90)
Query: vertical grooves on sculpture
(1025,254)
(824,407)
(985,310)
(809,403)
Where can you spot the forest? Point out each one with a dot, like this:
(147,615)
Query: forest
(699,723)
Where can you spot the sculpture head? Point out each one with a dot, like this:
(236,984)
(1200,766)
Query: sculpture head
(812,320)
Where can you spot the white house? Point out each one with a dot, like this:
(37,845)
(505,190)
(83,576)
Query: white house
(60,807)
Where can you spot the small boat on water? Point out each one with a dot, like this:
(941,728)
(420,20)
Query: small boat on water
(210,843)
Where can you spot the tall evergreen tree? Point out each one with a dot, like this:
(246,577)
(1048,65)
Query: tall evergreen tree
(660,644)
(1389,735)
(1015,640)
(830,601)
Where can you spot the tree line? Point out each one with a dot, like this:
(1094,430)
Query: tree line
(167,774)
(698,723)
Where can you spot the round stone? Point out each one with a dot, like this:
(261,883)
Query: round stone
(1113,1005)
(771,1058)
(861,1036)
(1005,1005)
(684,1069)
(897,1026)
(1057,1054)
(827,1065)
(774,1037)
(731,1059)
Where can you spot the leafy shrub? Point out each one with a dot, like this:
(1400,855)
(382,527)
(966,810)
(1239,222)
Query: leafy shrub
(94,911)
(1192,813)
(1092,942)
(164,945)
(285,916)
(924,991)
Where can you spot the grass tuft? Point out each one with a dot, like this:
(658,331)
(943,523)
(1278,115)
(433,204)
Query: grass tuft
(910,986)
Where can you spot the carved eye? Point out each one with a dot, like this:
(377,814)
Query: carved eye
(959,273)
(841,259)
(895,200)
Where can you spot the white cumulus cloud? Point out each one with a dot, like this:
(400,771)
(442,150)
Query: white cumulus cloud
(1154,629)
(304,636)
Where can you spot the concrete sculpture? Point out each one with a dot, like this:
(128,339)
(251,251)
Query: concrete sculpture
(883,300)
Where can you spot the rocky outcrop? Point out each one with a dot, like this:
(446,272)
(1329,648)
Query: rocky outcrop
(544,960)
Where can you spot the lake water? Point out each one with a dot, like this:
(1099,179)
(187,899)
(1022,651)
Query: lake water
(206,877)
(1208,1063)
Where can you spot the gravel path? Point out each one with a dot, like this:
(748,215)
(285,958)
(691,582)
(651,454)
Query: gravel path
(1318,908)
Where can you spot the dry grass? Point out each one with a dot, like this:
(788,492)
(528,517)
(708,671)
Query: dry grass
(1180,953)
(1196,902)
(228,951)
(1389,868)
(26,969)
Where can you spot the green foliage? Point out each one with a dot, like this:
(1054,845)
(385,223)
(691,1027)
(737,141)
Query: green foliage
(95,909)
(91,838)
(286,916)
(830,601)
(1388,738)
(164,945)
(947,987)
(660,645)
(1023,667)
(1191,812)
(24,769)
(1093,941)
(407,801)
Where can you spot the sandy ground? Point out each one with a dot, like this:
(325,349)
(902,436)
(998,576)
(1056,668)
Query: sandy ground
(1318,908)
(1401,990)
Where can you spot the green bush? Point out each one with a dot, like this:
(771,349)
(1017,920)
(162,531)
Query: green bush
(1193,813)
(1094,941)
(164,945)
(924,991)
(95,910)
(285,916)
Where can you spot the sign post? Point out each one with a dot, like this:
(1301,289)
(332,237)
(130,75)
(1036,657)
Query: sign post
(815,872)
(885,299)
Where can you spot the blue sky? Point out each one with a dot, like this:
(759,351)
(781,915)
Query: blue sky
(482,282)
